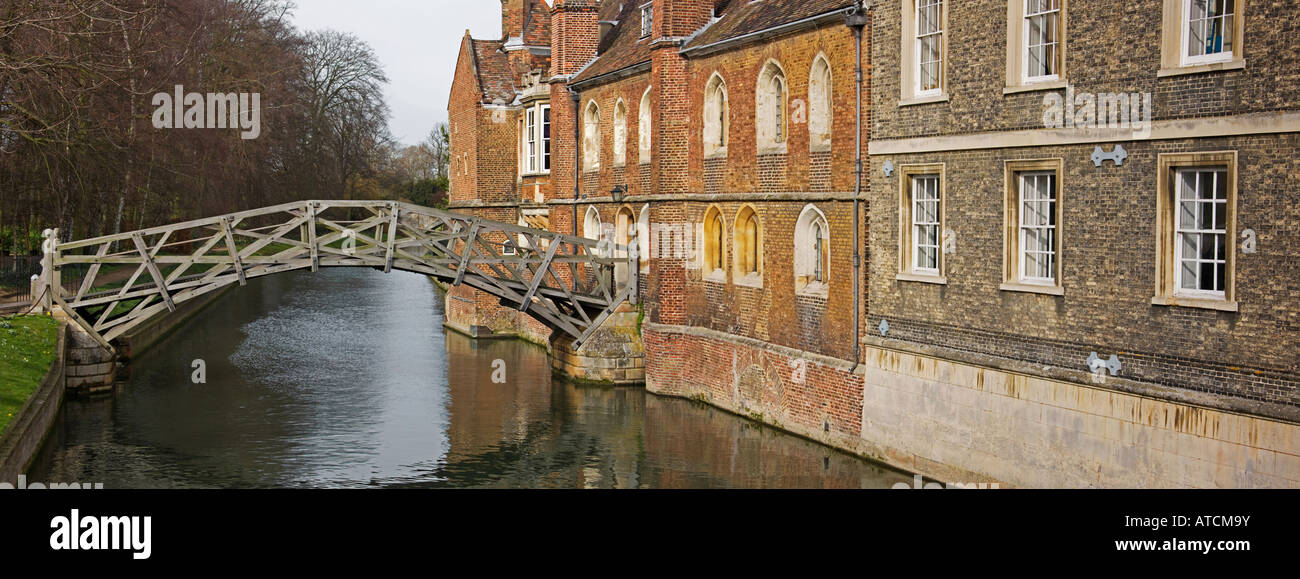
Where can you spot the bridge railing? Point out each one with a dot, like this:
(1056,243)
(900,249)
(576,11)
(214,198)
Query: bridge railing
(568,282)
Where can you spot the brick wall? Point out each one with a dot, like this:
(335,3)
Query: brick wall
(1107,240)
(1112,46)
(462,111)
(745,169)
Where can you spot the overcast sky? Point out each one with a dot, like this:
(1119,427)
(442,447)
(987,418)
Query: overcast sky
(416,40)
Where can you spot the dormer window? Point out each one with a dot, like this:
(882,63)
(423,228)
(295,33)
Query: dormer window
(647,19)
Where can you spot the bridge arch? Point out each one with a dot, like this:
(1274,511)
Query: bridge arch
(561,280)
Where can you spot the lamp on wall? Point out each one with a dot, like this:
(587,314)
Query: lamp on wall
(618,192)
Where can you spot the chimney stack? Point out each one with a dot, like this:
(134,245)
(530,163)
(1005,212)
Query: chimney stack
(575,34)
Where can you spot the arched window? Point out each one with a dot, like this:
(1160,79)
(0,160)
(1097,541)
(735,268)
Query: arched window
(624,229)
(591,137)
(715,248)
(715,116)
(643,237)
(771,107)
(811,251)
(620,133)
(749,245)
(591,225)
(643,126)
(820,110)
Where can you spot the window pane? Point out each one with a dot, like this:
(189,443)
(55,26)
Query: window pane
(1189,244)
(1201,229)
(929,37)
(1210,27)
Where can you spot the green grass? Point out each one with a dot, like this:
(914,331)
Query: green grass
(26,352)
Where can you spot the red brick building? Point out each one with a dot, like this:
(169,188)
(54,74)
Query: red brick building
(716,135)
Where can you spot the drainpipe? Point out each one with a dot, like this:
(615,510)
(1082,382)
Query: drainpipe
(856,19)
(577,137)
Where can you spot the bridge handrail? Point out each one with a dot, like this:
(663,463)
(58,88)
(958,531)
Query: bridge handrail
(404,207)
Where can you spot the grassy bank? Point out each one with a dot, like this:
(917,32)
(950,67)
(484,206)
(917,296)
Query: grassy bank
(26,352)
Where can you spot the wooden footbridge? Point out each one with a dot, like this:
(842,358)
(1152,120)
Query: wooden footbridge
(566,282)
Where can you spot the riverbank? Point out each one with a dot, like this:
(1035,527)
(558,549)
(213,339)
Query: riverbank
(27,350)
(32,376)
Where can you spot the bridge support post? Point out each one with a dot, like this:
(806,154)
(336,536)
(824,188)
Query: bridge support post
(44,287)
(612,354)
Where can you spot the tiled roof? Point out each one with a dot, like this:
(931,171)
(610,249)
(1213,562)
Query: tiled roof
(623,47)
(537,25)
(741,17)
(494,74)
(610,9)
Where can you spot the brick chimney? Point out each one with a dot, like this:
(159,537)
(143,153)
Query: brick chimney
(680,18)
(575,33)
(512,18)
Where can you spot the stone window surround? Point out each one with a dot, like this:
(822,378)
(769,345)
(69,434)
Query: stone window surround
(591,225)
(1166,294)
(643,237)
(644,124)
(716,110)
(821,107)
(1173,27)
(748,278)
(804,257)
(620,133)
(1016,50)
(591,136)
(714,247)
(910,58)
(767,107)
(905,175)
(1011,280)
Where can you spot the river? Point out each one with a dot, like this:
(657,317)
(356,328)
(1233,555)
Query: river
(347,378)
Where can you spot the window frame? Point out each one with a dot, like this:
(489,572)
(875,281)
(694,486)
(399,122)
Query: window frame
(811,220)
(620,126)
(820,142)
(909,56)
(1025,77)
(1167,291)
(906,246)
(647,19)
(716,85)
(773,110)
(918,63)
(1014,277)
(591,137)
(714,245)
(1018,79)
(645,124)
(1186,20)
(537,159)
(1175,38)
(742,276)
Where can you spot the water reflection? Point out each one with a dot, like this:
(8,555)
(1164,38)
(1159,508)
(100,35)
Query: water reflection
(345,378)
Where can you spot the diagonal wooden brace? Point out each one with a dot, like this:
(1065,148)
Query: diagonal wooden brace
(153,271)
(234,255)
(311,235)
(538,275)
(392,236)
(469,250)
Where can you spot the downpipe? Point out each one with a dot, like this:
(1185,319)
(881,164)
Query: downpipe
(575,96)
(856,19)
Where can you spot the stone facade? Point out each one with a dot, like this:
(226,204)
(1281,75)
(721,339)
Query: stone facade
(1107,299)
(952,369)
